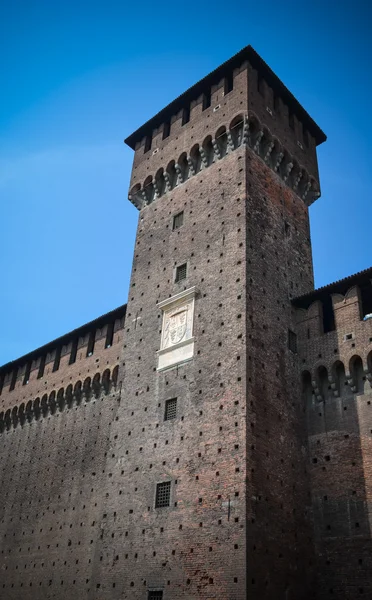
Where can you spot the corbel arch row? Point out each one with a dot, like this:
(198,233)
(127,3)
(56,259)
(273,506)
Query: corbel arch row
(241,130)
(57,401)
(348,377)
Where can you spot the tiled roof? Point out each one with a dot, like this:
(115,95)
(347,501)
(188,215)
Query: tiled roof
(117,313)
(246,54)
(337,287)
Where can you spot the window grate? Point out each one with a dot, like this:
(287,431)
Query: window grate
(155,595)
(170,409)
(178,220)
(163,494)
(181,272)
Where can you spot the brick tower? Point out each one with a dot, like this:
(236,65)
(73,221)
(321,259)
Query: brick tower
(207,493)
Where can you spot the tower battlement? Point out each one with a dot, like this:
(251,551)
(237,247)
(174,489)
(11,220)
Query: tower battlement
(241,102)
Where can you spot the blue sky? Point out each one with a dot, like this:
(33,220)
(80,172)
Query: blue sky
(77,77)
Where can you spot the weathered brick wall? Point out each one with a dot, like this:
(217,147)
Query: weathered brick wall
(97,362)
(337,397)
(52,496)
(196,547)
(279,532)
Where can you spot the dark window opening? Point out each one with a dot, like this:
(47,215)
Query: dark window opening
(57,359)
(228,84)
(366,300)
(166,130)
(41,367)
(292,341)
(207,99)
(14,380)
(277,105)
(178,220)
(186,115)
(328,315)
(170,409)
(148,142)
(287,228)
(155,595)
(181,272)
(74,349)
(90,347)
(109,335)
(27,374)
(163,494)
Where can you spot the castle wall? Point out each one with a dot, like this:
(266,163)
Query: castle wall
(53,499)
(279,531)
(337,395)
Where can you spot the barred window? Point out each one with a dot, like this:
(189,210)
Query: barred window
(155,595)
(181,272)
(292,341)
(170,409)
(163,494)
(178,220)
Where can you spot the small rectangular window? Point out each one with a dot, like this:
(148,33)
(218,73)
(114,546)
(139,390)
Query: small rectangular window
(163,494)
(178,220)
(166,130)
(148,142)
(155,595)
(90,347)
(41,367)
(181,272)
(292,341)
(207,98)
(26,377)
(109,335)
(57,359)
(74,348)
(170,409)
(14,379)
(228,83)
(186,115)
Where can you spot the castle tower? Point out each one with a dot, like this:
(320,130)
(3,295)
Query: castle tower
(207,491)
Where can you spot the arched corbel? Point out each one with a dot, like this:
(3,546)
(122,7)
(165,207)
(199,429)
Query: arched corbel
(306,190)
(203,155)
(191,166)
(156,189)
(230,142)
(179,173)
(216,149)
(316,391)
(297,180)
(246,132)
(256,147)
(351,383)
(167,181)
(288,170)
(278,161)
(269,151)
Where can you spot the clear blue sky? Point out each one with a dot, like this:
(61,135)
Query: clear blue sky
(77,77)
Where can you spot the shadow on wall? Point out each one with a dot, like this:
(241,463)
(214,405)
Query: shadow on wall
(338,403)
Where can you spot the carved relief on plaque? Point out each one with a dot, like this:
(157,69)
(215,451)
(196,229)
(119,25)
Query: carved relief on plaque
(177,342)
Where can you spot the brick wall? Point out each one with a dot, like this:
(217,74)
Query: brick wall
(337,395)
